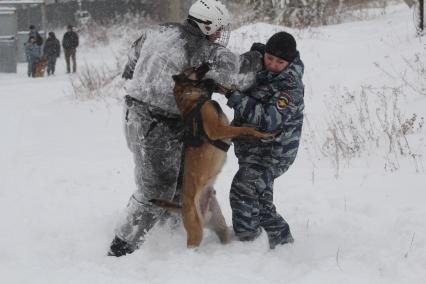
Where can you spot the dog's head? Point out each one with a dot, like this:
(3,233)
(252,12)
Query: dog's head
(43,60)
(191,81)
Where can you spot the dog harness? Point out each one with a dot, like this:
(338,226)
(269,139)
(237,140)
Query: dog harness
(194,134)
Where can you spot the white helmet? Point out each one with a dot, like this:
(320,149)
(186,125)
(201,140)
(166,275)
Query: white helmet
(210,16)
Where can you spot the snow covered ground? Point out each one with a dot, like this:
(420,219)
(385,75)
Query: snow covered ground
(66,175)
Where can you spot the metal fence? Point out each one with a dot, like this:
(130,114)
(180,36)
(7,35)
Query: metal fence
(8,21)
(9,26)
(8,54)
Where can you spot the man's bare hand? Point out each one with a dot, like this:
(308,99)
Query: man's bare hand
(263,136)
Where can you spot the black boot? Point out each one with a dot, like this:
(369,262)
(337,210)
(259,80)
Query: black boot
(119,247)
(248,237)
(287,239)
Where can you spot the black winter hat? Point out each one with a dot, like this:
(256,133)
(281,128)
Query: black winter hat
(282,45)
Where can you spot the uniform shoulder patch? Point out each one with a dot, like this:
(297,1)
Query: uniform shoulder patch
(284,99)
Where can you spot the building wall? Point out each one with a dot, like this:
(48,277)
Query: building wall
(8,21)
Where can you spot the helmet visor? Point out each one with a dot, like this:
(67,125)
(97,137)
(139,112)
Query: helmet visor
(221,36)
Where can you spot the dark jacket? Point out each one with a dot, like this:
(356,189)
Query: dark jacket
(34,33)
(274,104)
(70,40)
(52,47)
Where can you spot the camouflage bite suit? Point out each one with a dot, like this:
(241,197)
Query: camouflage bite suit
(153,125)
(156,143)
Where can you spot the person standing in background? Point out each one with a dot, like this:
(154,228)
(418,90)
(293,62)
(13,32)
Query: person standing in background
(33,54)
(34,33)
(51,50)
(70,44)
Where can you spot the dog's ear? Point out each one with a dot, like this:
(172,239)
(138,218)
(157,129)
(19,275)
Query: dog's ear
(202,70)
(177,78)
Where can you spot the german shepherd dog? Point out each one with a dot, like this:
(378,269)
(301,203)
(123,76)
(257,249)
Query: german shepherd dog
(40,68)
(203,162)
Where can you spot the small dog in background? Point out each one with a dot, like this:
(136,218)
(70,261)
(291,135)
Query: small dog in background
(40,68)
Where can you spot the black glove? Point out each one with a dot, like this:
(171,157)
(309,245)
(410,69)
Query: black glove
(227,92)
(259,47)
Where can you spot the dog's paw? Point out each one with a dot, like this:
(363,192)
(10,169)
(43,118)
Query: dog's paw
(264,136)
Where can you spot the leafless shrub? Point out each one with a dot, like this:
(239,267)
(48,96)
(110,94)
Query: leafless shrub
(94,34)
(97,82)
(396,127)
(104,80)
(370,122)
(308,13)
(126,28)
(412,76)
(373,121)
(129,27)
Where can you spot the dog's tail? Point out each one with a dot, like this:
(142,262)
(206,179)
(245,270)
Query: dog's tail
(170,206)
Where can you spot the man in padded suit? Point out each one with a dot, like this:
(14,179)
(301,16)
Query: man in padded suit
(153,127)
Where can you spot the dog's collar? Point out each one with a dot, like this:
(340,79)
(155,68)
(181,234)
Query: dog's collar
(194,131)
